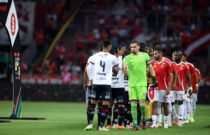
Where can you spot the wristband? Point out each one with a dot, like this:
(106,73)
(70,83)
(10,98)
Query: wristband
(196,85)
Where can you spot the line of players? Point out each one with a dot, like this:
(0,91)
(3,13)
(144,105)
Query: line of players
(108,87)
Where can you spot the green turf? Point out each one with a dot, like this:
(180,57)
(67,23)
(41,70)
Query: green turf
(70,119)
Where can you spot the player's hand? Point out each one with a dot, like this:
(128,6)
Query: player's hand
(85,86)
(189,89)
(167,91)
(196,88)
(154,82)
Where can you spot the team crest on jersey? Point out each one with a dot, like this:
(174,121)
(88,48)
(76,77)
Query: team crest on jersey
(162,66)
(141,59)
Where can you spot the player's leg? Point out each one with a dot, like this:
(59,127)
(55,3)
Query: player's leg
(154,109)
(159,114)
(180,98)
(106,98)
(115,115)
(142,97)
(99,110)
(133,99)
(165,101)
(109,115)
(88,97)
(193,106)
(121,113)
(91,107)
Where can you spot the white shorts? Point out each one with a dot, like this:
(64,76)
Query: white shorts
(194,97)
(179,95)
(172,96)
(160,96)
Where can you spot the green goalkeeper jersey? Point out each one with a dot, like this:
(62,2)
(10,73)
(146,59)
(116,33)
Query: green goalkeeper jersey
(137,69)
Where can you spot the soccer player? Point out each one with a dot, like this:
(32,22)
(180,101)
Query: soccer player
(150,52)
(195,90)
(183,75)
(194,76)
(164,74)
(118,88)
(88,75)
(135,67)
(103,64)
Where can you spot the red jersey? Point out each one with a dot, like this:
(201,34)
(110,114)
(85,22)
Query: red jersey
(181,69)
(162,70)
(168,60)
(191,67)
(193,80)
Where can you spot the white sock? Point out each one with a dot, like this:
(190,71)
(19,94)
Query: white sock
(154,119)
(159,117)
(181,111)
(188,109)
(173,111)
(170,110)
(184,110)
(193,107)
(165,120)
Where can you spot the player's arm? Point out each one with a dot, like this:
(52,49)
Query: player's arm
(170,83)
(85,78)
(115,70)
(125,69)
(196,80)
(188,82)
(152,73)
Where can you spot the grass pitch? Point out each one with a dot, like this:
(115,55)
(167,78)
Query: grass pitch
(70,119)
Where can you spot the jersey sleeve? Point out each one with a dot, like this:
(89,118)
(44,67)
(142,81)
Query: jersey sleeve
(187,70)
(169,67)
(91,60)
(126,60)
(89,71)
(198,73)
(147,59)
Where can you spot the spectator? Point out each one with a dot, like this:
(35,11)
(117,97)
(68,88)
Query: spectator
(65,75)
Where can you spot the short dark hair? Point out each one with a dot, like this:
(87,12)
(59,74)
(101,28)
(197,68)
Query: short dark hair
(106,43)
(159,49)
(184,54)
(142,47)
(177,49)
(135,42)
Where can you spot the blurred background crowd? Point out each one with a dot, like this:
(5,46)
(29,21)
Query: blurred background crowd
(169,23)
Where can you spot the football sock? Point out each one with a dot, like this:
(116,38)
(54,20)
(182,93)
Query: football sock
(134,113)
(143,111)
(121,115)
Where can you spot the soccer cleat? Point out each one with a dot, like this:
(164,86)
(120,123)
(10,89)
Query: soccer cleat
(89,127)
(135,128)
(114,126)
(109,127)
(166,126)
(144,125)
(159,125)
(120,127)
(192,119)
(153,126)
(180,123)
(169,124)
(186,122)
(128,127)
(102,129)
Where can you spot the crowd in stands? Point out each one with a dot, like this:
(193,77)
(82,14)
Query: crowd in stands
(170,23)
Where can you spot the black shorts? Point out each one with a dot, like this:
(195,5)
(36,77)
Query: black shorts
(90,91)
(119,95)
(101,92)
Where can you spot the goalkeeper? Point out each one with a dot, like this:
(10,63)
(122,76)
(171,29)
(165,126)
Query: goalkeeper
(135,67)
